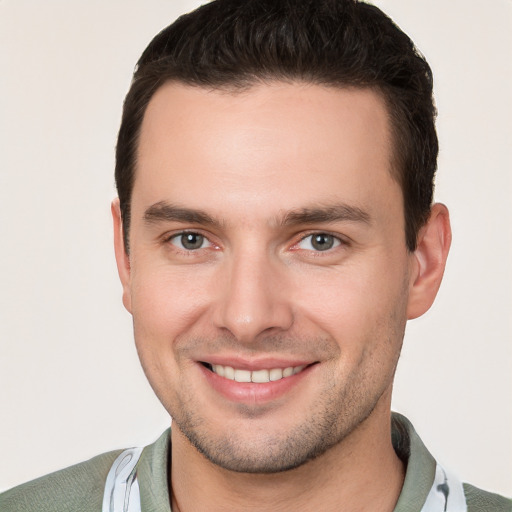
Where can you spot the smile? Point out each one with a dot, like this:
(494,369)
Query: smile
(257,376)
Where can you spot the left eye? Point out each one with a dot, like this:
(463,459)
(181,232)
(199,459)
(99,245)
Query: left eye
(189,241)
(319,242)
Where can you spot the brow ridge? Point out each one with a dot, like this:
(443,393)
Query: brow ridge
(163,211)
(167,212)
(333,213)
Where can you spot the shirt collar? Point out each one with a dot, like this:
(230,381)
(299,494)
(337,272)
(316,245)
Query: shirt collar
(419,463)
(155,462)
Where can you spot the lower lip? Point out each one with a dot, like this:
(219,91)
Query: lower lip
(250,392)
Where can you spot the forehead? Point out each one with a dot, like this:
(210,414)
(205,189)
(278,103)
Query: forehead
(276,144)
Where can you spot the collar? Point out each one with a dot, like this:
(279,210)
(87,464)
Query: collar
(155,462)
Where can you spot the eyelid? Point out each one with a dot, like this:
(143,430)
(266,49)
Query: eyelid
(168,237)
(339,241)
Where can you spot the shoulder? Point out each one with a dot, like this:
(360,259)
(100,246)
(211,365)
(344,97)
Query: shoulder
(483,501)
(77,488)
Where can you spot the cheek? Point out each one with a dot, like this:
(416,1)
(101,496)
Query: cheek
(165,303)
(357,302)
(164,306)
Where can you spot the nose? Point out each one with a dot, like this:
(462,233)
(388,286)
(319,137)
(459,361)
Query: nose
(253,297)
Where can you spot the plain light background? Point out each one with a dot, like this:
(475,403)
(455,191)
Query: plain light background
(70,382)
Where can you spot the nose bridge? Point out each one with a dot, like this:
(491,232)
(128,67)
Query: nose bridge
(253,296)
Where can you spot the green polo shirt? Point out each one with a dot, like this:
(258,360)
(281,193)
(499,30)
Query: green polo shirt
(80,488)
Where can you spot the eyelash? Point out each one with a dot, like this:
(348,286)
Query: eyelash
(337,241)
(175,236)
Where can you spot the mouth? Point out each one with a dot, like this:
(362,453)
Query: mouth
(261,376)
(257,382)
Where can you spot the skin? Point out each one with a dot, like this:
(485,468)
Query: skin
(245,172)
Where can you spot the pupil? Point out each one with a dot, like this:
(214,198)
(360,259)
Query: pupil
(192,240)
(322,242)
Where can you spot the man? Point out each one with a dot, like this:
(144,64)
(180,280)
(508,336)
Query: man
(274,232)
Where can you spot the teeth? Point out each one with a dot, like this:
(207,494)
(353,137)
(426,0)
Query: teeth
(288,372)
(259,376)
(275,374)
(242,375)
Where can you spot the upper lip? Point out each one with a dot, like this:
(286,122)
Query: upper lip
(266,363)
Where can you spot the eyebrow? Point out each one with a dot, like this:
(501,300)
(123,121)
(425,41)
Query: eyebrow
(165,212)
(334,213)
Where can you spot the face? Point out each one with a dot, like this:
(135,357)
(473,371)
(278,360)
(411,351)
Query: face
(268,275)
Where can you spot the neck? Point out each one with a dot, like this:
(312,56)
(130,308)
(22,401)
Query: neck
(362,472)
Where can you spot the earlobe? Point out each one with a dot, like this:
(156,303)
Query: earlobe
(430,256)
(122,258)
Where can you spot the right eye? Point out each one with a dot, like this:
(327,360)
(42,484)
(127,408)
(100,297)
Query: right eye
(189,241)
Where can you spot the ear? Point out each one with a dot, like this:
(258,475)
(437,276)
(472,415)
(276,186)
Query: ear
(122,258)
(429,261)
